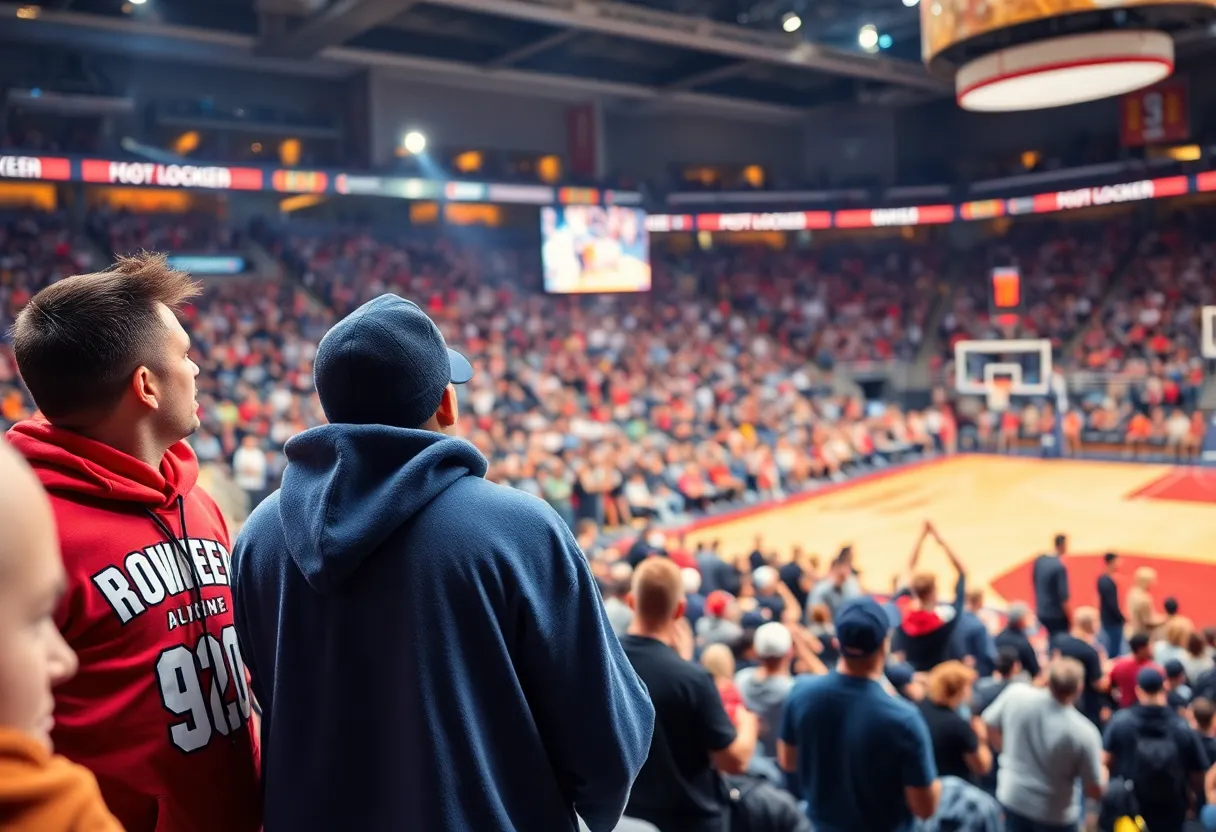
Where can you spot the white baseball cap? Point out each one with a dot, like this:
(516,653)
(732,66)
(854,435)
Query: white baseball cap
(765,577)
(773,641)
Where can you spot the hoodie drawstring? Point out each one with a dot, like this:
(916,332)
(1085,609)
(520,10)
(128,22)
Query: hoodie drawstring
(182,546)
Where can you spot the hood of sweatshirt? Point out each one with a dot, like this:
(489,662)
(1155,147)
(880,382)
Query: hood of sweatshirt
(68,463)
(347,488)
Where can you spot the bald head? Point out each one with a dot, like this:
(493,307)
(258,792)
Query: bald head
(1085,620)
(33,655)
(25,512)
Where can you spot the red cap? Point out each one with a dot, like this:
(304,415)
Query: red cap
(717,602)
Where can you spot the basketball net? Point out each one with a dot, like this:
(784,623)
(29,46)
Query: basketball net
(998,394)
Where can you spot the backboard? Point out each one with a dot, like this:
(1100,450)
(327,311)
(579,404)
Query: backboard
(1024,363)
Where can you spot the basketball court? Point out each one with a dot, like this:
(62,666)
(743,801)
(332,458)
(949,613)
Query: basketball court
(998,513)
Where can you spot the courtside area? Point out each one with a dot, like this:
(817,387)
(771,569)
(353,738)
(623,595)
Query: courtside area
(999,513)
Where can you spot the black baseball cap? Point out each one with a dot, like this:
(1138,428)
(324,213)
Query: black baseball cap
(1149,680)
(861,627)
(386,363)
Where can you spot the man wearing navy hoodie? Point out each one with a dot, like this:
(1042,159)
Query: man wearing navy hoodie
(429,649)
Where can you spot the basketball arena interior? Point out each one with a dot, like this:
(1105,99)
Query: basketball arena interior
(816,304)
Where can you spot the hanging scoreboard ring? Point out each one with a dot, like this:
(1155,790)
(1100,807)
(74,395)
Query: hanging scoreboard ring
(1010,55)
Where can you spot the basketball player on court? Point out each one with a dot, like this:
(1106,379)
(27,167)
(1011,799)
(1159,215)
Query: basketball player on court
(159,709)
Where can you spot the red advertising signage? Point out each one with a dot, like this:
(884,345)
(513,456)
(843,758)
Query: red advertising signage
(887,217)
(1156,115)
(300,181)
(35,167)
(171,176)
(782,221)
(1111,194)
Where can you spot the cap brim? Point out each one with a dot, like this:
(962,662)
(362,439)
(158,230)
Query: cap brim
(462,370)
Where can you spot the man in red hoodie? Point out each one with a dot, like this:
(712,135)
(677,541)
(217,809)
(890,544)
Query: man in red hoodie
(160,707)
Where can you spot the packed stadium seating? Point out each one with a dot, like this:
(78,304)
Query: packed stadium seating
(730,384)
(722,387)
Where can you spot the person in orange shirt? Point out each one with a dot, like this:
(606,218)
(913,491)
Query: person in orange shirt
(1139,429)
(1072,432)
(39,790)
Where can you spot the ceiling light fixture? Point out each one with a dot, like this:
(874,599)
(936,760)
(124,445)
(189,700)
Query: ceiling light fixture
(867,38)
(414,142)
(791,22)
(911,3)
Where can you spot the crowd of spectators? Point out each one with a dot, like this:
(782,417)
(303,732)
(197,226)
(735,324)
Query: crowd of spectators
(915,706)
(615,407)
(720,387)
(1123,314)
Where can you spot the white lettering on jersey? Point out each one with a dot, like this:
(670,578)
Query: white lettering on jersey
(146,580)
(201,567)
(148,577)
(117,590)
(184,690)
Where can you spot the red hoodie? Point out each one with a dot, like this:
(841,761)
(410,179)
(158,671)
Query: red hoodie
(159,710)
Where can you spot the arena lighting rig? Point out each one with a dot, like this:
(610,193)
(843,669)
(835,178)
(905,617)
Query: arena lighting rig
(1008,55)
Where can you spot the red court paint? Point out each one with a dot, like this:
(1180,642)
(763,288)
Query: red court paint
(1187,485)
(1191,582)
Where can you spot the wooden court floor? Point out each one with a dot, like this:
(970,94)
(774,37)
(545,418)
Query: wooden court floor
(998,513)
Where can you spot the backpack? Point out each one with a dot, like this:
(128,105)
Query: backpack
(1157,773)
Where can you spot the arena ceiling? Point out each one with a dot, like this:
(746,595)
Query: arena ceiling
(727,55)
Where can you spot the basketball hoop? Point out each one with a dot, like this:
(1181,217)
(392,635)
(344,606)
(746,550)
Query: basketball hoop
(998,394)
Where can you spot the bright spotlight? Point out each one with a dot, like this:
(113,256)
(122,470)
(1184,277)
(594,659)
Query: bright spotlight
(137,2)
(885,41)
(911,3)
(791,22)
(414,142)
(867,38)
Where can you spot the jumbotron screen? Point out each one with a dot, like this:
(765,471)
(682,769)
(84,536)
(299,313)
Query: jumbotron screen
(589,248)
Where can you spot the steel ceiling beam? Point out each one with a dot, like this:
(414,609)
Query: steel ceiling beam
(710,76)
(534,48)
(154,39)
(332,26)
(685,32)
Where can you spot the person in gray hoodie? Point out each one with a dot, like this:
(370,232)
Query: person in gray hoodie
(766,687)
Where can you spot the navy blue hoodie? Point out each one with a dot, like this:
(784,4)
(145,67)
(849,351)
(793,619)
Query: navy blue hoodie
(429,649)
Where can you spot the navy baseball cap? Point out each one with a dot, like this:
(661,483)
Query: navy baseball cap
(386,363)
(1174,668)
(861,627)
(900,675)
(1149,680)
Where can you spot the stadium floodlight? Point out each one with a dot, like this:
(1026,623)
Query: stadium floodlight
(414,142)
(911,3)
(791,22)
(137,2)
(867,38)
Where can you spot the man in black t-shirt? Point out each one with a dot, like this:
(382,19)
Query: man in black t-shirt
(1149,737)
(679,788)
(1079,643)
(1108,608)
(1051,588)
(1014,635)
